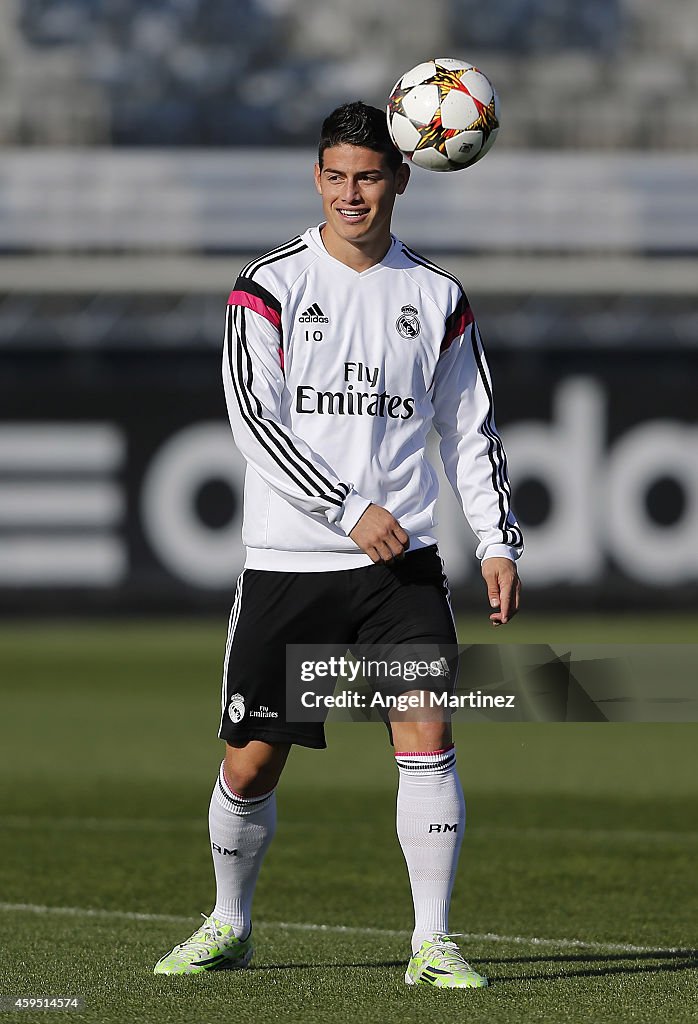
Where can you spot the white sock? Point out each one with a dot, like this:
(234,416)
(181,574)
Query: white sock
(430,825)
(241,830)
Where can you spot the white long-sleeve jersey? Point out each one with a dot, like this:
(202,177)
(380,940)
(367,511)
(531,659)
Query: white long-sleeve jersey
(333,379)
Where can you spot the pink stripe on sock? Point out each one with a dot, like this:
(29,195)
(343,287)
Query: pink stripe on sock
(423,753)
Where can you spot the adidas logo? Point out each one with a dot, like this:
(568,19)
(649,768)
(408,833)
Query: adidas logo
(313,315)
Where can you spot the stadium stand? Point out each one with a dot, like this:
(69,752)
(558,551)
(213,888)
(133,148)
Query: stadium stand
(599,74)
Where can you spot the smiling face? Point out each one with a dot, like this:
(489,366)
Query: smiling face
(358,191)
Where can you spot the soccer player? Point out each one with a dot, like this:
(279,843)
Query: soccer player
(343,347)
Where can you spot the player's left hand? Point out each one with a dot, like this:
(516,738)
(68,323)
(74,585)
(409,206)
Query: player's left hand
(503,589)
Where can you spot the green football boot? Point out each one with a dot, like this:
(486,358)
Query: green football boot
(439,962)
(212,947)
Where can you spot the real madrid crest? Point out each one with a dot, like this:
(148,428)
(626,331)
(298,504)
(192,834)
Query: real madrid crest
(236,708)
(407,324)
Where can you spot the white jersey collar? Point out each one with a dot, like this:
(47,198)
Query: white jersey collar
(314,239)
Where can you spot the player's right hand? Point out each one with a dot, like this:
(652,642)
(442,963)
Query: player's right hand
(379,535)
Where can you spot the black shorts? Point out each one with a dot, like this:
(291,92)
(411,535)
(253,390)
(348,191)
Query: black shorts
(403,603)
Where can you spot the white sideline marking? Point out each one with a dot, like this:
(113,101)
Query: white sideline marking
(343,929)
(19,821)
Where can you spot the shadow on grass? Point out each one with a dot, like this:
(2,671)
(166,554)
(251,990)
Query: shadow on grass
(651,954)
(662,961)
(608,964)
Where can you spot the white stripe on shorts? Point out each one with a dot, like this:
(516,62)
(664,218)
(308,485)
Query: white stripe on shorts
(232,623)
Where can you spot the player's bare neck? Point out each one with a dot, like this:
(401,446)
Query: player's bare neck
(358,256)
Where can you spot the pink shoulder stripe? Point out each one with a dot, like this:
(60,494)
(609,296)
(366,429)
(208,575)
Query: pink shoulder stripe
(457,328)
(256,304)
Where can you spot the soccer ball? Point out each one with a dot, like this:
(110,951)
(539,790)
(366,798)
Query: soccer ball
(443,114)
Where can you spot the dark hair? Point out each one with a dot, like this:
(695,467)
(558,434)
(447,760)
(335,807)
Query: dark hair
(357,124)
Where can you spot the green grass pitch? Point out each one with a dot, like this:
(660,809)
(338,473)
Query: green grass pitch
(577,885)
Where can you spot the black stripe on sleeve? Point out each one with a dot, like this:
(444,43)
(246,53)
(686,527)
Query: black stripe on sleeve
(422,261)
(276,432)
(245,410)
(255,264)
(265,261)
(500,482)
(269,435)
